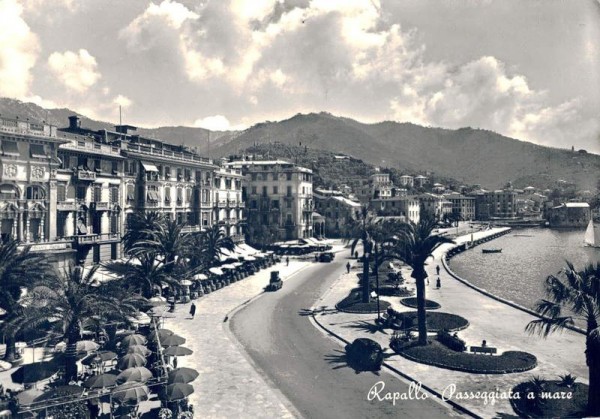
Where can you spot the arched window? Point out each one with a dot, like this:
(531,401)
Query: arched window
(8,191)
(35,192)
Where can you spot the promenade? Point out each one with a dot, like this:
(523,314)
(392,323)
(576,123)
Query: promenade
(501,325)
(228,385)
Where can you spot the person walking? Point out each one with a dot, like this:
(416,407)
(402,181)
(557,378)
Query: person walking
(287,261)
(348,266)
(438,283)
(356,254)
(437,269)
(193,310)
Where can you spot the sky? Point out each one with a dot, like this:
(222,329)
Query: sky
(529,69)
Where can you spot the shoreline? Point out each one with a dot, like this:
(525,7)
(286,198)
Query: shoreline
(460,247)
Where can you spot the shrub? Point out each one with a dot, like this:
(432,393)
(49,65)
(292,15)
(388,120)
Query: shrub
(364,355)
(451,342)
(567,380)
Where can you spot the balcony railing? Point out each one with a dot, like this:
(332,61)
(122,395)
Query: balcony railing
(86,175)
(191,229)
(92,146)
(66,206)
(100,206)
(88,239)
(138,148)
(222,204)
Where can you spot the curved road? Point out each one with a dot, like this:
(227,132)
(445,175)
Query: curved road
(306,365)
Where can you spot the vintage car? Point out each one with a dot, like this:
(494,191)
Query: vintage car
(275,282)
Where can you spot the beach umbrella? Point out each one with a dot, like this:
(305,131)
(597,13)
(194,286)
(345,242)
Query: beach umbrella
(31,373)
(173,340)
(162,334)
(177,391)
(86,346)
(99,358)
(139,349)
(131,392)
(177,351)
(182,375)
(157,301)
(60,393)
(139,374)
(27,397)
(134,339)
(130,361)
(101,381)
(5,366)
(140,318)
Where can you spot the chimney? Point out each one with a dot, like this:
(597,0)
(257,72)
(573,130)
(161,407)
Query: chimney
(74,122)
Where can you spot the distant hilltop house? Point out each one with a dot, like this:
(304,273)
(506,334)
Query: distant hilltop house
(570,214)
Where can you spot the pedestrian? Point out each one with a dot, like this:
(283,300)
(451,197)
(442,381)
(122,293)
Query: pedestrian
(287,261)
(348,266)
(438,283)
(175,362)
(356,254)
(427,280)
(483,344)
(193,310)
(437,269)
(316,257)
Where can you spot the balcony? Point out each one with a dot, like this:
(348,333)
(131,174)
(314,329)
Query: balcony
(159,152)
(241,204)
(66,206)
(191,229)
(89,239)
(86,175)
(100,206)
(222,204)
(89,146)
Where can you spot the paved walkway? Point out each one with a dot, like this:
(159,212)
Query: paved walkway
(228,385)
(500,325)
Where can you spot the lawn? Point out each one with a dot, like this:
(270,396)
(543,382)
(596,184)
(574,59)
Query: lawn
(412,303)
(353,303)
(554,403)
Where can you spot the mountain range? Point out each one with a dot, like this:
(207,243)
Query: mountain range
(473,156)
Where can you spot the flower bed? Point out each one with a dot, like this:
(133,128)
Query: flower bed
(435,321)
(550,407)
(353,304)
(438,355)
(412,303)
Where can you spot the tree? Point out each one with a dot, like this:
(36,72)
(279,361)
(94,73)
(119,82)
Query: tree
(414,246)
(144,274)
(360,233)
(139,226)
(209,246)
(19,269)
(71,300)
(579,293)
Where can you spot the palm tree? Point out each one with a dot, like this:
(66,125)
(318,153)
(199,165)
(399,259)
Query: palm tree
(164,239)
(579,293)
(71,300)
(144,274)
(361,232)
(209,245)
(415,245)
(139,225)
(19,269)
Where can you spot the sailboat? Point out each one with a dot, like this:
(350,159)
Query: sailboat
(592,235)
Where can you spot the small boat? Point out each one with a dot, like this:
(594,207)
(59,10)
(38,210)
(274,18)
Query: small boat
(491,250)
(592,235)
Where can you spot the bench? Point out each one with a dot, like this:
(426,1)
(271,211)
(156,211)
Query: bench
(483,350)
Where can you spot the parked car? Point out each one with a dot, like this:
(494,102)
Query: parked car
(326,257)
(275,282)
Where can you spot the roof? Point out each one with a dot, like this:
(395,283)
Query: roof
(577,205)
(347,201)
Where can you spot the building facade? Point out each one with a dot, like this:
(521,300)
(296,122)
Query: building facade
(278,196)
(463,206)
(406,207)
(339,211)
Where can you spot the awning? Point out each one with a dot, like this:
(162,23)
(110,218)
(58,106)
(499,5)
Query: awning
(10,148)
(229,266)
(153,196)
(216,271)
(200,277)
(149,167)
(37,150)
(185,282)
(249,258)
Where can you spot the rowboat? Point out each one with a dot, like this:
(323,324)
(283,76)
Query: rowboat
(491,250)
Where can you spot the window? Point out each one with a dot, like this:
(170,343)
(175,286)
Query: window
(188,195)
(167,173)
(72,162)
(34,192)
(254,190)
(114,167)
(61,192)
(97,165)
(114,194)
(10,148)
(180,218)
(276,204)
(288,176)
(289,191)
(130,193)
(8,192)
(275,176)
(167,195)
(179,196)
(37,151)
(188,174)
(288,204)
(253,204)
(264,191)
(253,176)
(198,175)
(82,163)
(97,193)
(275,190)
(179,173)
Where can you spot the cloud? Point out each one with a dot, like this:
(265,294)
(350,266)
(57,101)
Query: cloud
(216,123)
(122,101)
(19,49)
(77,71)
